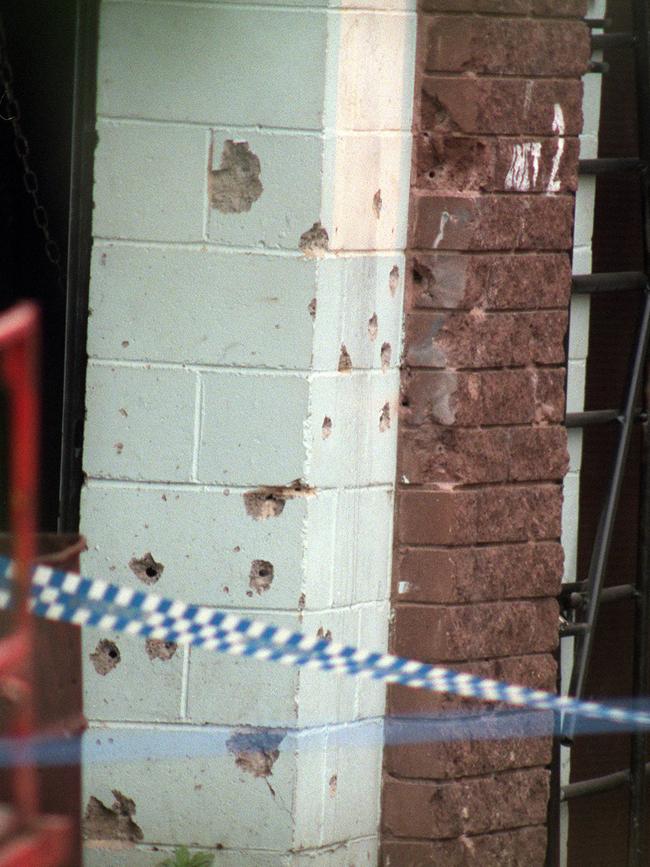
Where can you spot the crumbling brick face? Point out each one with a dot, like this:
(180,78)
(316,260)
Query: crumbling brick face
(482,448)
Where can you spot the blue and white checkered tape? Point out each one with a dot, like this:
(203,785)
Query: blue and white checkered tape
(69,597)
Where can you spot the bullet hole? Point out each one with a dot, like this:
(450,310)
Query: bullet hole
(386,353)
(119,447)
(345,362)
(105,657)
(312,308)
(226,492)
(326,427)
(333,784)
(256,750)
(261,576)
(373,326)
(314,243)
(376,204)
(269,501)
(302,601)
(384,418)
(156,648)
(111,823)
(103,259)
(164,497)
(123,412)
(235,185)
(249,593)
(225,588)
(125,344)
(327,635)
(146,568)
(236,549)
(393,279)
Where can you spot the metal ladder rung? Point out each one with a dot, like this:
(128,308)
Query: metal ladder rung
(608,40)
(616,281)
(610,165)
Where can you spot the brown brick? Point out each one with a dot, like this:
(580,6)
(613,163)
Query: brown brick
(503,46)
(465,807)
(489,280)
(500,106)
(549,395)
(492,222)
(538,671)
(505,7)
(450,746)
(561,8)
(435,454)
(451,163)
(479,339)
(458,575)
(452,633)
(495,514)
(525,847)
(492,397)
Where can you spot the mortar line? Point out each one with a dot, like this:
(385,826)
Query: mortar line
(205,487)
(210,246)
(185,683)
(198,421)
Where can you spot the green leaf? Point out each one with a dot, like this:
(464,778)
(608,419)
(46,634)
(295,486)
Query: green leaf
(182,858)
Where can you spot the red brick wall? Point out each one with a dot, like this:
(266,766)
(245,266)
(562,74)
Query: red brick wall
(482,448)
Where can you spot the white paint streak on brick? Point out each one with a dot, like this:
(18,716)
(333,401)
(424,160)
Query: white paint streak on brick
(558,129)
(524,167)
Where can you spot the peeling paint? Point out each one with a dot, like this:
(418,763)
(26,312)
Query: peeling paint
(146,568)
(111,823)
(314,243)
(235,185)
(105,657)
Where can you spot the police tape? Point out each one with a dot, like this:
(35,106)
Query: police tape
(72,598)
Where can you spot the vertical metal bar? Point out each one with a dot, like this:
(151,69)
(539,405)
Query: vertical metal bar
(78,260)
(637,819)
(600,552)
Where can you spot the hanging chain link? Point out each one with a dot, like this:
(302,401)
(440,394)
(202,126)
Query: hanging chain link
(10,111)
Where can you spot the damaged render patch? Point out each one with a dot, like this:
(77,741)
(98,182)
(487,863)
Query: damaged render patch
(256,750)
(345,362)
(268,501)
(105,657)
(111,823)
(314,243)
(384,418)
(373,326)
(156,648)
(326,428)
(235,185)
(261,576)
(386,354)
(146,568)
(376,204)
(393,279)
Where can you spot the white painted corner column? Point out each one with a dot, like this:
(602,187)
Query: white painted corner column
(251,199)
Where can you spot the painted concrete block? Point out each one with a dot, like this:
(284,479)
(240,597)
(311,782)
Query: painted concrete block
(575,389)
(205,541)
(584,218)
(170,304)
(359,299)
(140,422)
(359,852)
(574,443)
(581,262)
(252,428)
(570,511)
(98,855)
(173,797)
(222,65)
(370,73)
(289,202)
(579,327)
(150,181)
(117,694)
(359,441)
(364,209)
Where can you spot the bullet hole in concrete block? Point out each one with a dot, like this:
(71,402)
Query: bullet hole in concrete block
(111,823)
(105,657)
(326,634)
(103,259)
(125,344)
(119,447)
(333,784)
(314,243)
(261,576)
(269,501)
(376,204)
(345,362)
(302,601)
(393,279)
(123,412)
(312,308)
(225,588)
(146,568)
(373,326)
(326,427)
(384,418)
(156,648)
(236,549)
(235,185)
(256,750)
(386,354)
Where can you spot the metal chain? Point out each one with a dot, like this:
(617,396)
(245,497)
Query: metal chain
(10,111)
